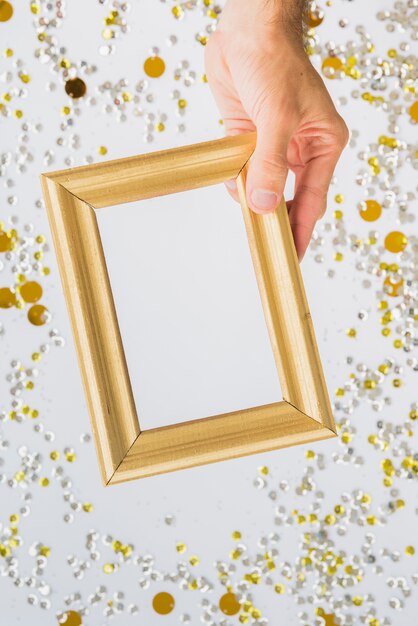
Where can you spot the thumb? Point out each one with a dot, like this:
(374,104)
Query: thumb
(268,167)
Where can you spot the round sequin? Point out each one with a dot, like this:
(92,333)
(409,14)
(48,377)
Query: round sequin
(392,288)
(71,618)
(154,67)
(7,298)
(5,242)
(330,66)
(6,11)
(163,603)
(413,111)
(396,241)
(38,315)
(75,88)
(315,18)
(31,291)
(229,604)
(372,211)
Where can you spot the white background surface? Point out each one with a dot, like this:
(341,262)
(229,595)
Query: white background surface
(209,502)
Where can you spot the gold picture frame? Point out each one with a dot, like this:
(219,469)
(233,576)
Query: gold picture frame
(124,451)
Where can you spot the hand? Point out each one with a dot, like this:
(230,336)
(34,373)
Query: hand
(263,80)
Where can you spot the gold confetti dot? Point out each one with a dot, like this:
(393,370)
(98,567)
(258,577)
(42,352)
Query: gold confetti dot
(163,603)
(315,18)
(6,242)
(71,618)
(7,298)
(6,11)
(108,568)
(102,150)
(413,111)
(229,604)
(31,291)
(181,547)
(75,88)
(392,288)
(38,315)
(372,211)
(395,241)
(154,67)
(330,66)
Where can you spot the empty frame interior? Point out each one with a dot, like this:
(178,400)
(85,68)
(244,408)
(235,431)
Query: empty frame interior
(73,197)
(188,307)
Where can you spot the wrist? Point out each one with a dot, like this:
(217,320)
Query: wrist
(271,19)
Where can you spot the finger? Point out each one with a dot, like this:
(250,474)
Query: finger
(231,187)
(310,200)
(268,167)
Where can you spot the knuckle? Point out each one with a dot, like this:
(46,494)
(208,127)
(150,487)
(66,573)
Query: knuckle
(342,132)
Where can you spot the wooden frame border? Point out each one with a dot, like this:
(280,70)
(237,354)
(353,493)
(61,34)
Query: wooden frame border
(124,451)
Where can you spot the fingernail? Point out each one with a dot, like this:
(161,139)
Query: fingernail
(264,200)
(231,184)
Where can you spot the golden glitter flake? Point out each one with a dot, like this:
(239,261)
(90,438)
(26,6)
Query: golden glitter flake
(163,603)
(6,11)
(154,67)
(396,241)
(372,211)
(229,604)
(38,315)
(71,618)
(31,291)
(7,298)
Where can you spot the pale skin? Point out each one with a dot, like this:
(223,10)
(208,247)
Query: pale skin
(263,80)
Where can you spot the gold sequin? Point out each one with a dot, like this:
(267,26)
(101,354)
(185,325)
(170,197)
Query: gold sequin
(395,241)
(154,67)
(163,603)
(229,604)
(372,211)
(330,65)
(75,88)
(6,243)
(7,298)
(315,18)
(37,315)
(6,11)
(413,111)
(31,291)
(71,618)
